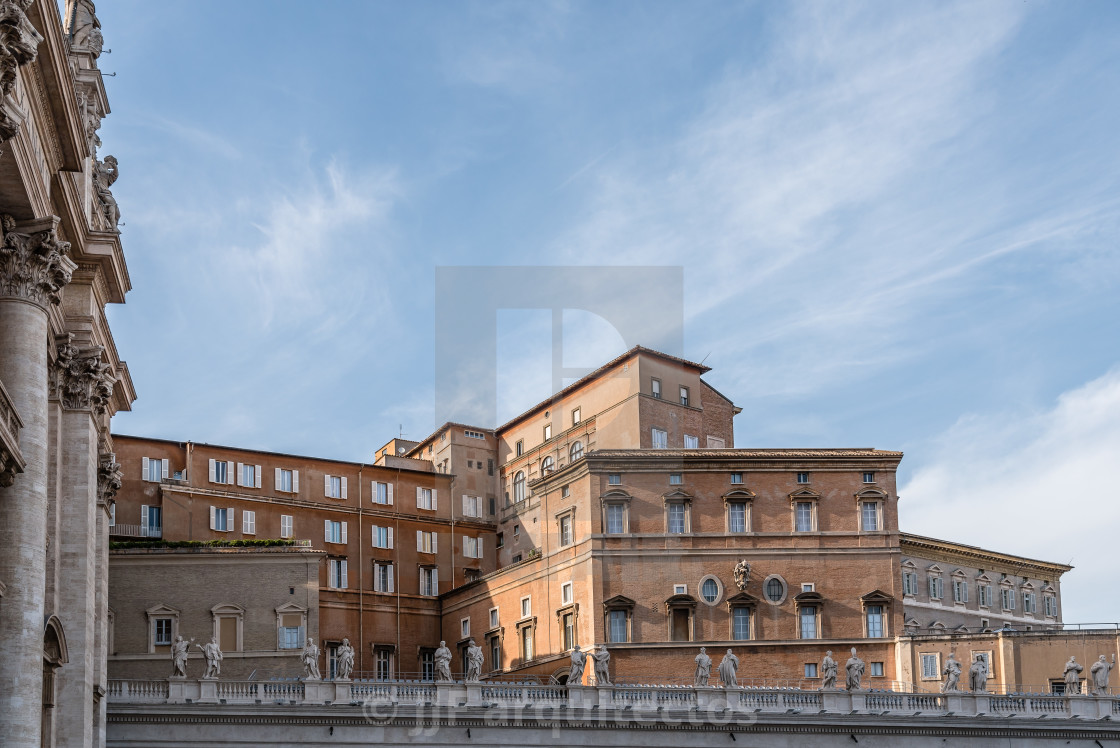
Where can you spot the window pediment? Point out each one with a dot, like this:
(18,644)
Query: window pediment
(680,601)
(959,574)
(677,495)
(909,564)
(808,597)
(804,494)
(933,569)
(615,495)
(1027,586)
(290,608)
(739,495)
(871,494)
(227,609)
(984,578)
(162,611)
(876,597)
(618,602)
(743,599)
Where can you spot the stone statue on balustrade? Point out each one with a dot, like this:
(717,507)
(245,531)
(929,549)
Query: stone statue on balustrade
(703,669)
(1098,675)
(310,659)
(442,658)
(978,674)
(729,670)
(952,673)
(213,654)
(602,660)
(828,671)
(1072,675)
(855,667)
(474,662)
(575,672)
(344,661)
(179,652)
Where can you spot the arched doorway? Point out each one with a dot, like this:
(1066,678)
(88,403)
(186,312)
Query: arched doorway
(54,657)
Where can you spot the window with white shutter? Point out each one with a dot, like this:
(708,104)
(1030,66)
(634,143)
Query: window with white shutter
(249,522)
(382,493)
(286,525)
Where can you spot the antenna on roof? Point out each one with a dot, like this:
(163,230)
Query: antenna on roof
(705,358)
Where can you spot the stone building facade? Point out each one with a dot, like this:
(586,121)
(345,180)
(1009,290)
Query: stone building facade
(61,377)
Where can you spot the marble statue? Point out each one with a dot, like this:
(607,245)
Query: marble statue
(443,663)
(952,673)
(1098,675)
(703,668)
(474,662)
(179,651)
(828,671)
(978,675)
(855,667)
(310,659)
(105,173)
(85,28)
(575,672)
(213,654)
(1072,675)
(344,663)
(729,670)
(602,665)
(742,573)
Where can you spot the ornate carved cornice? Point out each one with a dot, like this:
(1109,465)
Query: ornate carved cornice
(79,378)
(109,477)
(34,265)
(19,43)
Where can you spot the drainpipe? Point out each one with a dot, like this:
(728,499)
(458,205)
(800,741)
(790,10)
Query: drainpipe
(361,584)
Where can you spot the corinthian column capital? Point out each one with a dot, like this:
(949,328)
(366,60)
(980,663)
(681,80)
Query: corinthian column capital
(33,262)
(79,379)
(19,44)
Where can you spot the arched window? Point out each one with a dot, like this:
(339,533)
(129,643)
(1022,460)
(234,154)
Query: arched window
(519,486)
(546,465)
(576,451)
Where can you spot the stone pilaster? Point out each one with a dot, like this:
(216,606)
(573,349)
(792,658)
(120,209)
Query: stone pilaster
(33,269)
(108,483)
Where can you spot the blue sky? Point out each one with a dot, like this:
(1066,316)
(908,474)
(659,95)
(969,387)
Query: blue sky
(897,224)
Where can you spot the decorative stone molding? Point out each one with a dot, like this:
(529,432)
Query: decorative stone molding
(34,264)
(109,477)
(19,44)
(80,380)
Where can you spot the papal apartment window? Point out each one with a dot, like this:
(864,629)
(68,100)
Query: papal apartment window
(741,623)
(676,517)
(547,431)
(429,581)
(736,478)
(1007,599)
(154,469)
(737,516)
(616,519)
(1050,605)
(336,573)
(869,516)
(519,486)
(684,396)
(676,479)
(285,480)
(286,526)
(575,417)
(691,442)
(802,477)
(805,515)
(960,591)
(936,588)
(875,622)
(808,618)
(382,493)
(576,451)
(566,530)
(660,439)
(334,531)
(655,388)
(519,448)
(1028,602)
(162,631)
(291,631)
(382,577)
(909,583)
(614,479)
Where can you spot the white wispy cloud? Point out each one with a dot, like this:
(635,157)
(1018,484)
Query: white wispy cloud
(1039,484)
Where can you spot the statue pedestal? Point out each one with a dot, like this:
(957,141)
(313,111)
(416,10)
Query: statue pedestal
(1089,707)
(208,691)
(954,702)
(176,689)
(316,691)
(859,700)
(341,691)
(474,693)
(835,700)
(443,693)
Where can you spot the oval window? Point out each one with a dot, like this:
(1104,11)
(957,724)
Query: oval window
(710,590)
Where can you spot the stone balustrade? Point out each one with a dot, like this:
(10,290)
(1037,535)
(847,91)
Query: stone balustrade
(651,698)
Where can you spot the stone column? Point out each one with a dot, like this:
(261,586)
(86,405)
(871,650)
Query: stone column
(108,483)
(33,269)
(83,386)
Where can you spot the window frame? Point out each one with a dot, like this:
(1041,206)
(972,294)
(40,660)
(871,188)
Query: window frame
(655,388)
(685,396)
(654,438)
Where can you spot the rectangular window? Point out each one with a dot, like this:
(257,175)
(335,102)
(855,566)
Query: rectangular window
(526,606)
(334,532)
(426,542)
(495,653)
(490,467)
(219,471)
(614,479)
(493,618)
(464,628)
(737,516)
(163,631)
(249,522)
(383,577)
(676,517)
(151,521)
(618,626)
(336,573)
(736,479)
(616,522)
(566,530)
(741,623)
(869,477)
(221,519)
(575,417)
(655,388)
(876,670)
(565,492)
(984,595)
(474,434)
(547,431)
(383,664)
(930,667)
(424,499)
(684,395)
(291,631)
(472,506)
(810,670)
(691,442)
(676,479)
(874,621)
(382,537)
(472,547)
(804,510)
(249,475)
(154,469)
(286,526)
(568,630)
(660,439)
(284,481)
(802,477)
(960,591)
(566,593)
(1007,599)
(427,665)
(527,643)
(808,617)
(870,516)
(500,541)
(333,487)
(1028,602)
(936,588)
(382,493)
(519,448)
(1050,604)
(429,581)
(909,583)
